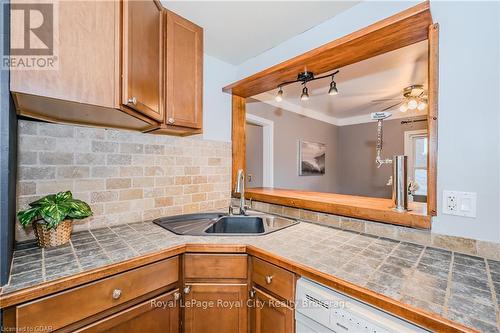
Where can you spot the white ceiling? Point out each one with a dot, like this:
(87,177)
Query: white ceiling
(359,84)
(238,30)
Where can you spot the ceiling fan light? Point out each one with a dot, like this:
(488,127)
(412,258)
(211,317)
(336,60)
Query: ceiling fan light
(422,105)
(279,95)
(333,89)
(403,107)
(305,95)
(412,104)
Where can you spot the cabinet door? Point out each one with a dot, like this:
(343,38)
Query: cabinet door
(160,314)
(143,33)
(184,57)
(217,308)
(88,57)
(269,315)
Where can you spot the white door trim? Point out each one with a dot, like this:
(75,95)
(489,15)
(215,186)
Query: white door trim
(267,149)
(408,149)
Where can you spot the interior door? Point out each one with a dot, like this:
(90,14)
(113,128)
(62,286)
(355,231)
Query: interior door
(143,60)
(215,308)
(184,57)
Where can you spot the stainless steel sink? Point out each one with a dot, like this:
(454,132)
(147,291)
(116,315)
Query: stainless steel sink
(211,224)
(237,225)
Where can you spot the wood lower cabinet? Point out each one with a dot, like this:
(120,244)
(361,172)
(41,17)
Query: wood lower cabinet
(123,302)
(217,308)
(270,315)
(273,291)
(160,314)
(215,293)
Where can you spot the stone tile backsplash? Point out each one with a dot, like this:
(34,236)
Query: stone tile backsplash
(125,176)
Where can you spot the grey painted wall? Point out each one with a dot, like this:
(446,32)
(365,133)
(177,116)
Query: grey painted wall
(289,128)
(358,173)
(254,146)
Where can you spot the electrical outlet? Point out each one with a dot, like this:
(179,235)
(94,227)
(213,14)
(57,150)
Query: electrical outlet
(459,203)
(450,199)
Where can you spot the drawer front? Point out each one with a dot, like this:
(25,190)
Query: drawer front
(273,278)
(215,266)
(160,314)
(68,307)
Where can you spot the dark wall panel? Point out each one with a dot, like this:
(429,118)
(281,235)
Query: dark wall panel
(8,159)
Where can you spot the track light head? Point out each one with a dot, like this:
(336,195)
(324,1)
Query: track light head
(279,95)
(305,95)
(333,89)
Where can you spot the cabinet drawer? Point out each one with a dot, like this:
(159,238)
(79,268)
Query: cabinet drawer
(273,278)
(70,306)
(215,266)
(160,314)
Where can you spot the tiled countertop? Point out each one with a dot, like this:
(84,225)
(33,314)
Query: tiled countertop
(459,287)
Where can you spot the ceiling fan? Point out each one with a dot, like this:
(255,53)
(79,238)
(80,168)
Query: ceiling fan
(414,97)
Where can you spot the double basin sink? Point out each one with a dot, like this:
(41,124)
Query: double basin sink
(207,224)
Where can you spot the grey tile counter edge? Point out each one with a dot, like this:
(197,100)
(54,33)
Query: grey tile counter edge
(480,248)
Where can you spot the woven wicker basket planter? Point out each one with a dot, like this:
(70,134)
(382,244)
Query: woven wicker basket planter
(53,237)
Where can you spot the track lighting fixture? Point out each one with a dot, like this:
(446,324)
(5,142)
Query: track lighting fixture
(279,95)
(305,95)
(305,77)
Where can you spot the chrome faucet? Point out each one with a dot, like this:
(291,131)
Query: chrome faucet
(240,188)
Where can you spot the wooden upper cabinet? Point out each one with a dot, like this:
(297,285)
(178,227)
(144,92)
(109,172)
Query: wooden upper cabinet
(143,61)
(128,64)
(184,85)
(87,51)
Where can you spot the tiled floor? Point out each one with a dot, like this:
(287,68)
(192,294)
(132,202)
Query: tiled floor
(457,286)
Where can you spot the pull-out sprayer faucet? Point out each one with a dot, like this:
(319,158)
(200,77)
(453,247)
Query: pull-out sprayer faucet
(379,117)
(240,188)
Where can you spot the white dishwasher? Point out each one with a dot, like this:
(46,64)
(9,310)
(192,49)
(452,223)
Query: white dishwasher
(319,309)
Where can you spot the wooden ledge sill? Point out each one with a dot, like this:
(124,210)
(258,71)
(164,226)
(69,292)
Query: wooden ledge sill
(374,209)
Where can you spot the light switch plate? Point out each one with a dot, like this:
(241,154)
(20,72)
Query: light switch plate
(459,203)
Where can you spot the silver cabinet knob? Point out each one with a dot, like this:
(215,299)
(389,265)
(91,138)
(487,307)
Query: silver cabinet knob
(132,100)
(252,293)
(177,296)
(187,289)
(269,279)
(171,120)
(116,294)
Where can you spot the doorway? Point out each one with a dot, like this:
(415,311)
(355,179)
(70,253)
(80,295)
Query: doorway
(415,147)
(259,143)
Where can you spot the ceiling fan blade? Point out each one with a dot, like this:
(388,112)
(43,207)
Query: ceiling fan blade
(390,107)
(385,100)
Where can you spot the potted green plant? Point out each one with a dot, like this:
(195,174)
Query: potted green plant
(52,217)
